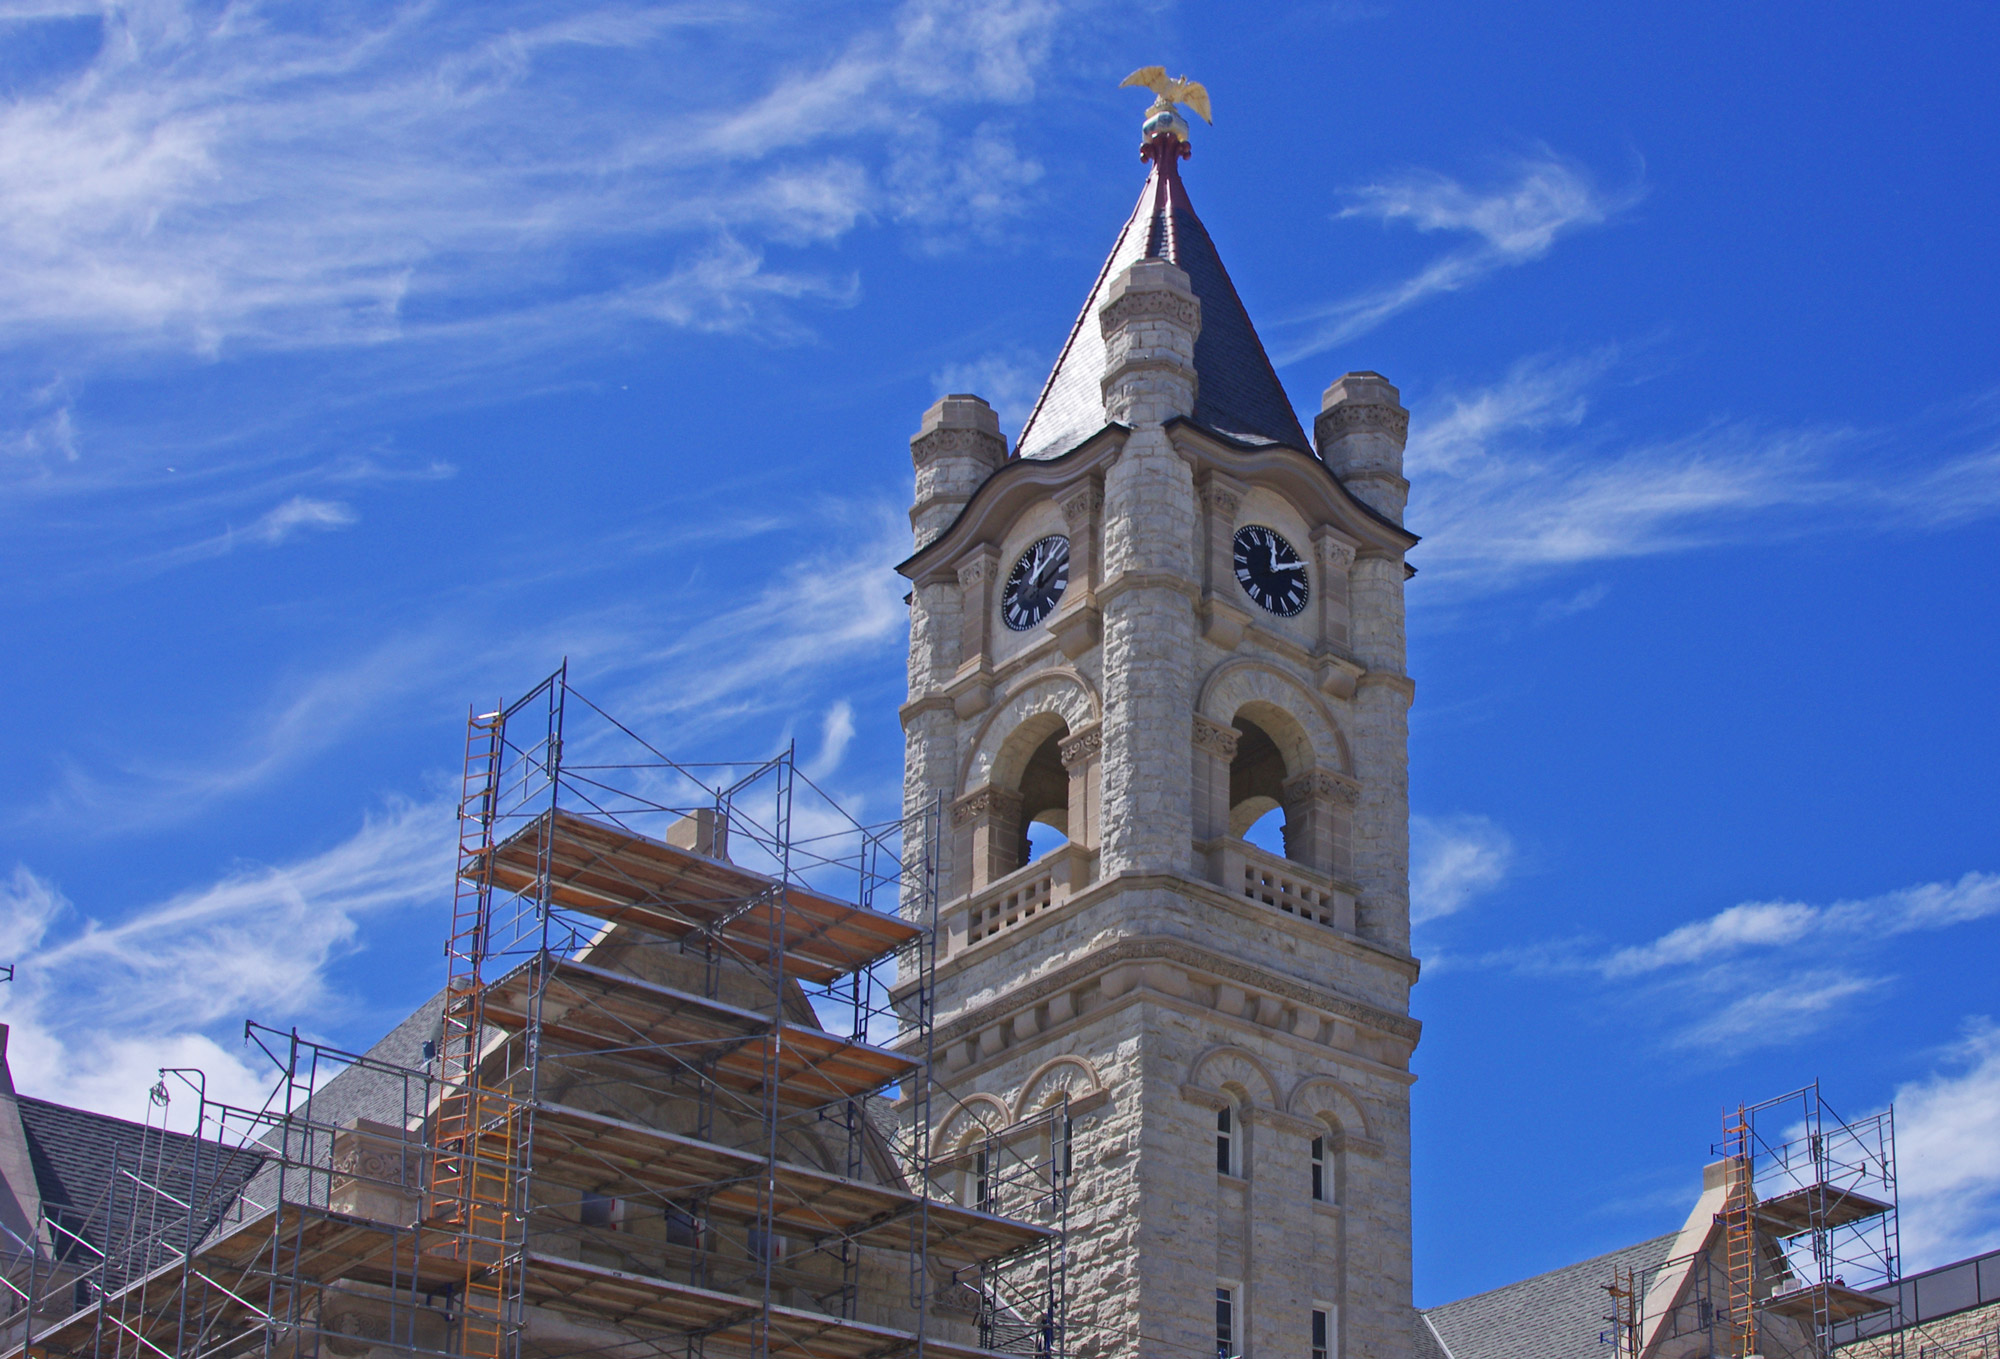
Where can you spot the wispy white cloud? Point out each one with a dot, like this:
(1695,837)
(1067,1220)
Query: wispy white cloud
(1948,1153)
(97,1006)
(1009,380)
(836,732)
(1777,924)
(1542,198)
(1453,860)
(349,177)
(1512,481)
(296,514)
(1753,1011)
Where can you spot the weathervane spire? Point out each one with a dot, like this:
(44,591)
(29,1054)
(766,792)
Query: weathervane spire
(1164,135)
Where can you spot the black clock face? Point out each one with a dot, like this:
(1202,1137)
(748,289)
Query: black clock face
(1035,583)
(1273,574)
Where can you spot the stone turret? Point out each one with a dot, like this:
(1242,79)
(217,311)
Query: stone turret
(1360,431)
(955,448)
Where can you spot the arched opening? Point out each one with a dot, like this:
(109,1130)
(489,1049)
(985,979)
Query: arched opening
(1044,799)
(1257,787)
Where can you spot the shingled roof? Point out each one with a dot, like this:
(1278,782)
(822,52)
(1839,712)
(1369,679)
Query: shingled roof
(1557,1315)
(1237,393)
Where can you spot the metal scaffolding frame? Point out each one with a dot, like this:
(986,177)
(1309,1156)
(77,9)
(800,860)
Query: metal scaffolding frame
(1808,1242)
(656,1108)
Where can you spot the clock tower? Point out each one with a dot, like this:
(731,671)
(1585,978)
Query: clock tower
(1163,618)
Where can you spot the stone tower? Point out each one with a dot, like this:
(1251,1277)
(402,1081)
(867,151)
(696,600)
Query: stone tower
(1162,617)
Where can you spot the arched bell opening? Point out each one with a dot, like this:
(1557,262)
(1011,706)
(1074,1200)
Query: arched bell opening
(1044,799)
(1257,788)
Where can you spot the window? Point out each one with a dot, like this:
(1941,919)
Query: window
(1322,1346)
(1225,1160)
(1319,1172)
(601,1210)
(1061,1158)
(1225,1322)
(982,1184)
(682,1229)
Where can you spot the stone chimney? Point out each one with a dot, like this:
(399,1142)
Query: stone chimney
(1361,430)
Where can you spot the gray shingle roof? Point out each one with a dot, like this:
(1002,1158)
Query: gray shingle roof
(1238,392)
(88,1167)
(1557,1315)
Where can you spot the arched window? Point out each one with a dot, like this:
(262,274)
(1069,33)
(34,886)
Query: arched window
(1257,787)
(1321,1185)
(1225,1140)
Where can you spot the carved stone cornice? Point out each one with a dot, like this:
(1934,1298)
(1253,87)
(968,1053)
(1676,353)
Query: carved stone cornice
(1150,304)
(1160,948)
(1353,417)
(975,571)
(1334,554)
(1081,746)
(1324,785)
(1215,738)
(984,802)
(942,442)
(1222,501)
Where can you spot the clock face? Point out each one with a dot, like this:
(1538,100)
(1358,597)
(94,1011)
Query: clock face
(1273,574)
(1035,583)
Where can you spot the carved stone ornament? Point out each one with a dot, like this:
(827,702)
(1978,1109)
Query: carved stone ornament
(975,571)
(1335,554)
(1081,505)
(1356,417)
(1323,785)
(1080,747)
(1215,738)
(983,802)
(1222,501)
(1154,304)
(940,442)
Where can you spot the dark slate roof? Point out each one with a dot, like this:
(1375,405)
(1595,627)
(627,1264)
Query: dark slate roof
(1237,394)
(84,1167)
(1558,1315)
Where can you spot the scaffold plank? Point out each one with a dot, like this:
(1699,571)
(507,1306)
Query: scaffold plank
(1834,1301)
(726,1321)
(592,1010)
(610,1156)
(614,874)
(1816,1206)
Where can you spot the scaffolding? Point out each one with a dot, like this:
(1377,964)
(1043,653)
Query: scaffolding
(1805,1243)
(666,1106)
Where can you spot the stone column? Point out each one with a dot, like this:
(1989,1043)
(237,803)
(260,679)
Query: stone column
(1223,618)
(1214,751)
(1361,430)
(1078,624)
(1381,743)
(1083,758)
(978,579)
(987,837)
(1149,320)
(1319,821)
(956,447)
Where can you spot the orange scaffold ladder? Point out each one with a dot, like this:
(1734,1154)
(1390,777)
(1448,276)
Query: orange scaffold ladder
(472,1151)
(1739,1229)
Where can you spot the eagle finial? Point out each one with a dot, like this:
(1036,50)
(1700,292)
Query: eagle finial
(1163,118)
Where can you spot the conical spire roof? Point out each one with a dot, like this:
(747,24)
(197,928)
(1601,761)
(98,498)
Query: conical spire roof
(1237,394)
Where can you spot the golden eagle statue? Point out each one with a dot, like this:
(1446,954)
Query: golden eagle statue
(1171,90)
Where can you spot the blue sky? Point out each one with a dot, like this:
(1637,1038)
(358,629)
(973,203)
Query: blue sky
(361,361)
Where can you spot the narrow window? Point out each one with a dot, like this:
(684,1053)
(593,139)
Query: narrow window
(982,1184)
(1321,1346)
(1064,1161)
(682,1230)
(1225,1323)
(1224,1125)
(1319,1172)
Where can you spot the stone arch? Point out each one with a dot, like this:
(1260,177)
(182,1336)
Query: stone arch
(1230,1069)
(1326,1100)
(1009,736)
(976,1115)
(1075,1075)
(1314,735)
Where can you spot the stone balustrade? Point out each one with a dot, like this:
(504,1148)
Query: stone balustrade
(1011,901)
(1240,867)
